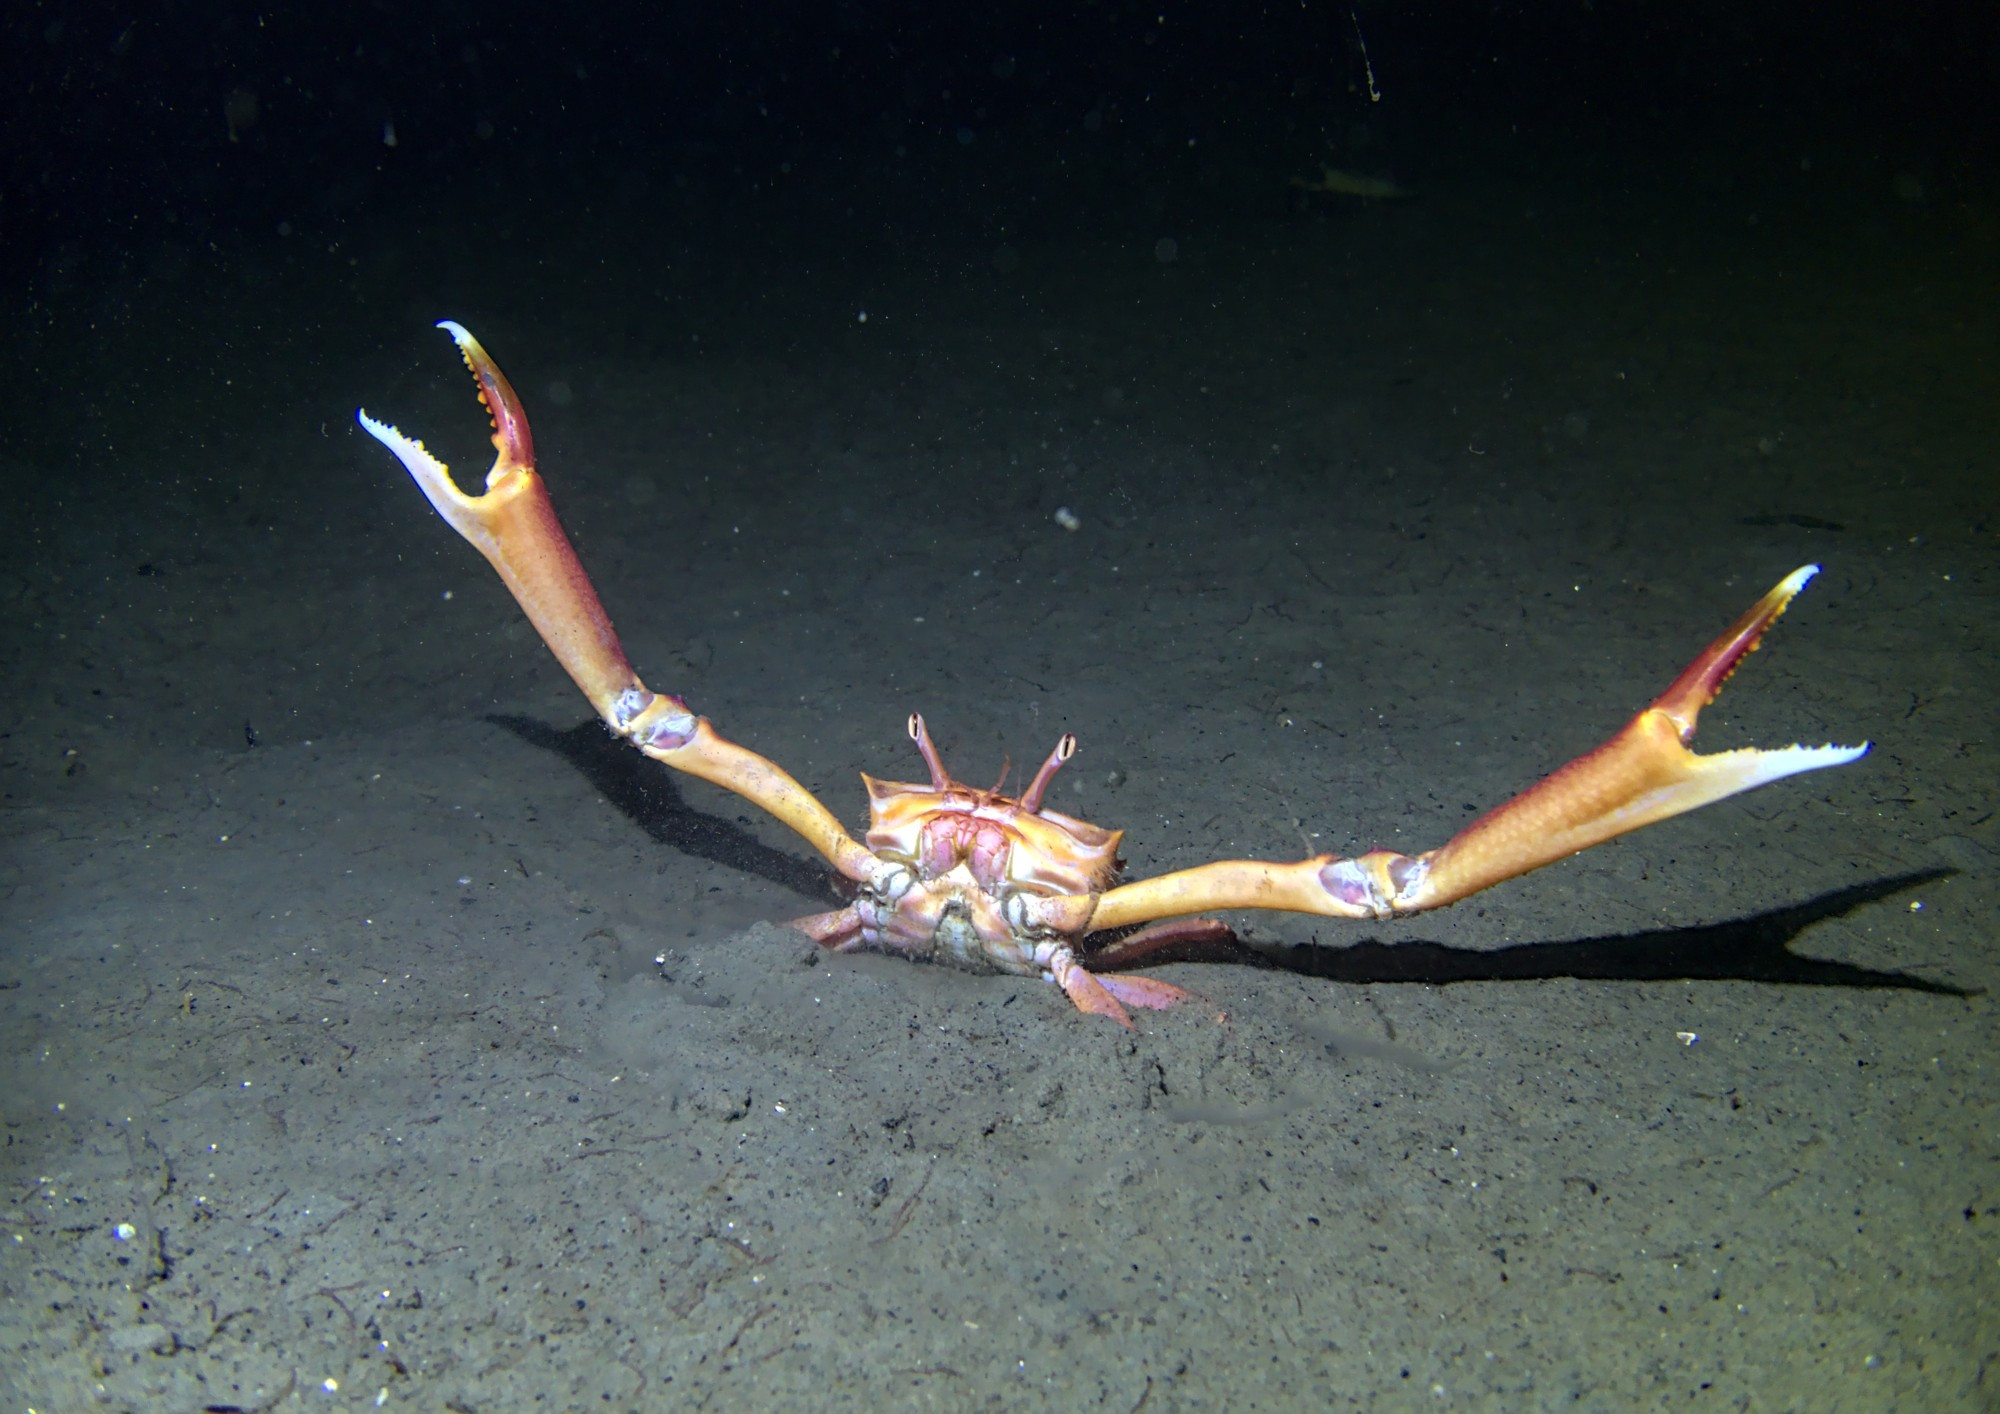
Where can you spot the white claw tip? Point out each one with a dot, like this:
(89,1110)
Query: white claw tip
(1798,579)
(459,334)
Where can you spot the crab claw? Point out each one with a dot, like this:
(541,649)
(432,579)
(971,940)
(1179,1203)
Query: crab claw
(514,526)
(1643,775)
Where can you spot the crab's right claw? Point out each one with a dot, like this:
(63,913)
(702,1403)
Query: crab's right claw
(514,526)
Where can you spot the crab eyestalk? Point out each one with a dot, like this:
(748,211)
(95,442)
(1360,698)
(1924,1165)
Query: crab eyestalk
(1031,798)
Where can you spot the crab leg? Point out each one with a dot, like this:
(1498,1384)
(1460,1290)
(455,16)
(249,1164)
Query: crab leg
(514,526)
(1643,775)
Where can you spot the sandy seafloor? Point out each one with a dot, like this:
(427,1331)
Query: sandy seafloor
(437,1051)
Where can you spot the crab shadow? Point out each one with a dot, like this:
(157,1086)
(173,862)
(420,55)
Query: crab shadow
(648,795)
(1753,949)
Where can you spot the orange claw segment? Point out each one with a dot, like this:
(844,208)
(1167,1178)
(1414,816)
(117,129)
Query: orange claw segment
(1641,776)
(1227,883)
(1698,686)
(514,526)
(704,752)
(512,440)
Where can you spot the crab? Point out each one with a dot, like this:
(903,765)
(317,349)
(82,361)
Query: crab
(995,883)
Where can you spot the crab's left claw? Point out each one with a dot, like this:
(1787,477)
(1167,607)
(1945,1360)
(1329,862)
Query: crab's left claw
(1644,774)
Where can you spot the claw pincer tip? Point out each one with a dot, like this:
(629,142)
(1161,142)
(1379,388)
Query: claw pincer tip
(1702,680)
(511,437)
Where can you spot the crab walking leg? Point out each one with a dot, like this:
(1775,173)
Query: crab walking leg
(1643,775)
(1105,994)
(514,526)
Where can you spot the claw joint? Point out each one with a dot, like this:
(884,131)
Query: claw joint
(660,724)
(1380,882)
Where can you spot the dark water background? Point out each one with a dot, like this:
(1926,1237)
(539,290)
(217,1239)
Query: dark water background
(381,1035)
